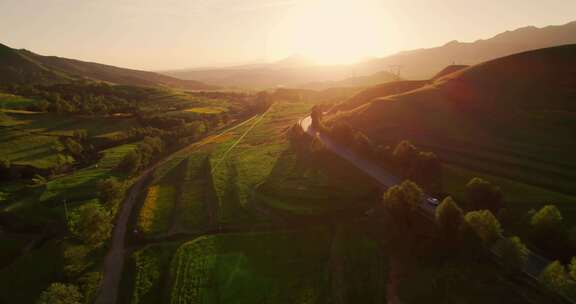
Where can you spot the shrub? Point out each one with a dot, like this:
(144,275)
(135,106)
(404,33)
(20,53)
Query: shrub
(485,224)
(513,253)
(59,293)
(483,195)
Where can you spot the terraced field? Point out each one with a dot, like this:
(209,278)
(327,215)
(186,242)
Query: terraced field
(252,268)
(29,139)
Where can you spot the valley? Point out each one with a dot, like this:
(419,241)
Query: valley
(438,175)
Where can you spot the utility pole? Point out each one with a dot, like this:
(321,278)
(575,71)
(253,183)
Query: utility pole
(396,70)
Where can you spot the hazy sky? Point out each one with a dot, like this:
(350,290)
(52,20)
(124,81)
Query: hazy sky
(170,34)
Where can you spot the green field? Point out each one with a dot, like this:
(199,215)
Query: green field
(9,101)
(252,268)
(42,203)
(29,139)
(150,275)
(24,279)
(80,184)
(206,110)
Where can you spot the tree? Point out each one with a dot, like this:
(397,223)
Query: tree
(572,268)
(110,190)
(405,155)
(555,278)
(427,169)
(316,116)
(450,218)
(485,224)
(5,170)
(483,195)
(60,293)
(92,224)
(547,223)
(80,135)
(399,206)
(512,252)
(75,257)
(89,284)
(363,144)
(131,163)
(403,199)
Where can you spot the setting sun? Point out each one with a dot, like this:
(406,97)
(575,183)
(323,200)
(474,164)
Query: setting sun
(334,31)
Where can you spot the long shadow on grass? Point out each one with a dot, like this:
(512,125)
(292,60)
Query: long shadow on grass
(339,199)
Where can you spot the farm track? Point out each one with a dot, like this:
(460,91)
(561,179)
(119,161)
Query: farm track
(240,139)
(114,260)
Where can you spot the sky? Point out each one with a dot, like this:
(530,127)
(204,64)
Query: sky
(178,34)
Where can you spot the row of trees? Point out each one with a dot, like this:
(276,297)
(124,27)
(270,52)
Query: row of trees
(90,226)
(82,98)
(466,233)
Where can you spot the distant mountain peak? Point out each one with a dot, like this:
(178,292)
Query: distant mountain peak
(295,60)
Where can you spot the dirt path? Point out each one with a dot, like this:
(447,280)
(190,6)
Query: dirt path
(114,260)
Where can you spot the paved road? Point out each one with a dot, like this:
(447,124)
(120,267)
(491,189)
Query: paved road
(114,260)
(535,263)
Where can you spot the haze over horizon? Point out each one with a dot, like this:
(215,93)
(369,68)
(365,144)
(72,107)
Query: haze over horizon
(181,34)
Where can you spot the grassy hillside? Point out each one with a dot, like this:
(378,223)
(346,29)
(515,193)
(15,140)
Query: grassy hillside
(379,91)
(510,120)
(25,67)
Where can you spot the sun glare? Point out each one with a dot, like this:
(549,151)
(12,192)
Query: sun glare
(334,31)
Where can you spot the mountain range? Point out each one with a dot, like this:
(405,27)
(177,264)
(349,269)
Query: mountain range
(415,65)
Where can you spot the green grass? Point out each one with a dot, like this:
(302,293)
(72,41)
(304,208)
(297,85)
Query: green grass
(252,268)
(80,185)
(312,186)
(434,281)
(30,139)
(24,279)
(206,110)
(156,213)
(364,266)
(196,191)
(150,275)
(238,171)
(9,101)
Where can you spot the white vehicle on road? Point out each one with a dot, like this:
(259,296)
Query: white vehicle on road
(433,201)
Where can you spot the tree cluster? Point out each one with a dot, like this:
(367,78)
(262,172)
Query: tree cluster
(142,156)
(484,195)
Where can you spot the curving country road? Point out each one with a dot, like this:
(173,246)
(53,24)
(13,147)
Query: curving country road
(535,264)
(114,260)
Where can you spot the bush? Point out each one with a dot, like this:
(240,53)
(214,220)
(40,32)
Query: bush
(483,195)
(450,218)
(555,278)
(547,223)
(513,253)
(5,170)
(110,191)
(59,293)
(92,224)
(485,224)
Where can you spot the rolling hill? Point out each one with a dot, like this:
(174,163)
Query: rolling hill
(512,117)
(23,66)
(359,81)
